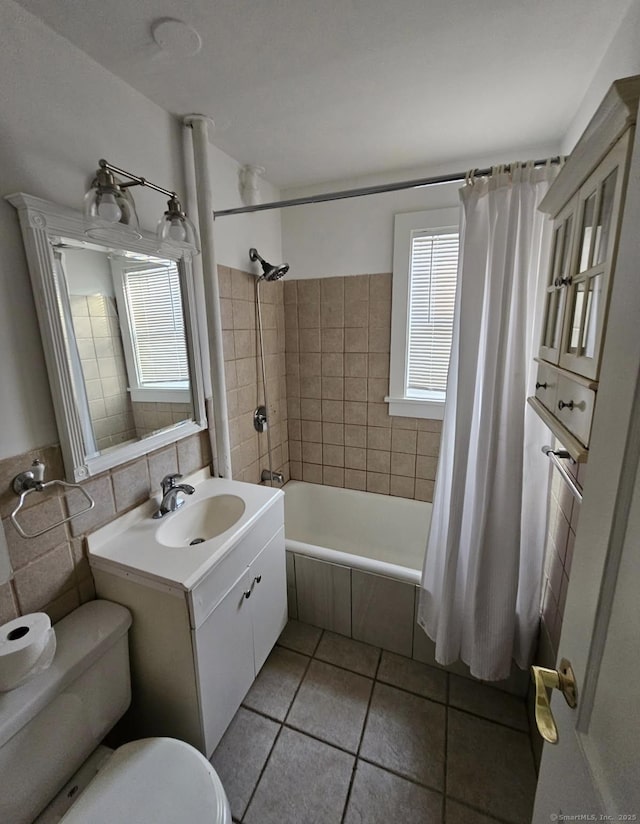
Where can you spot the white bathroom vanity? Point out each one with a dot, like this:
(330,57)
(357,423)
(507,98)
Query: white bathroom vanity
(206,586)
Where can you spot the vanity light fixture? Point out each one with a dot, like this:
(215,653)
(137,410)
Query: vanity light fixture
(108,203)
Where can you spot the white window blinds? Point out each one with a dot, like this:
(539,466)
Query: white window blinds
(157,325)
(433,270)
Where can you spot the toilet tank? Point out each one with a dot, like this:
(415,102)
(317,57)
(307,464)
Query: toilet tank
(50,725)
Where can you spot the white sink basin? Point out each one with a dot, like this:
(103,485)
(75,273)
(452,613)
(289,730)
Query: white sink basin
(200,522)
(220,512)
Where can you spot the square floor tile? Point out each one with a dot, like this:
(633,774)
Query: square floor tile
(304,782)
(406,734)
(413,676)
(379,797)
(300,637)
(461,814)
(273,690)
(332,704)
(347,653)
(491,703)
(241,755)
(490,767)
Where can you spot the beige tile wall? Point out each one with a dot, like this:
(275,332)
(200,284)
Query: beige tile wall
(149,417)
(338,333)
(243,372)
(564,512)
(95,322)
(51,573)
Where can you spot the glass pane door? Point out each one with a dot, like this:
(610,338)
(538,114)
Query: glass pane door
(586,233)
(556,287)
(586,296)
(603,229)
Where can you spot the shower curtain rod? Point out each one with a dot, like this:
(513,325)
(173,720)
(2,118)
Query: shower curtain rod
(370,190)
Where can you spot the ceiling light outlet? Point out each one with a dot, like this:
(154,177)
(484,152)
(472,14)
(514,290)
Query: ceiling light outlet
(176,37)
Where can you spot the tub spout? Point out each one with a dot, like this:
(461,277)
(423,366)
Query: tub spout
(278,477)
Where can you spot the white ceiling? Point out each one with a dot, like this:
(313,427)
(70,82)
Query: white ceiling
(317,90)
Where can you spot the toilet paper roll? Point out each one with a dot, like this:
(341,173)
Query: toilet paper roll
(27,647)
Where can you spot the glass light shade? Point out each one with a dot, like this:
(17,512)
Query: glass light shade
(175,227)
(107,206)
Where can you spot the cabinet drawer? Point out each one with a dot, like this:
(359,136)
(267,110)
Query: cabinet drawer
(546,386)
(207,594)
(574,408)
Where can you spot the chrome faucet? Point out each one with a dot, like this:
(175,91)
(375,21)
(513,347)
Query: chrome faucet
(170,501)
(278,477)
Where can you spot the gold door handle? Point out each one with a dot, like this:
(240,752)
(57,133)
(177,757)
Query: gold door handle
(561,679)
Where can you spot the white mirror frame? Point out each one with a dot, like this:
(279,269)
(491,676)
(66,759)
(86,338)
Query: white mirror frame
(41,220)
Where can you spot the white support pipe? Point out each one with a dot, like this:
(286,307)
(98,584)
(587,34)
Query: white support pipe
(199,125)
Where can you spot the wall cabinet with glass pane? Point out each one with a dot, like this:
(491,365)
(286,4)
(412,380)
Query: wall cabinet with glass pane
(587,202)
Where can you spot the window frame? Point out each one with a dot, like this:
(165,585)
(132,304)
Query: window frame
(401,402)
(139,392)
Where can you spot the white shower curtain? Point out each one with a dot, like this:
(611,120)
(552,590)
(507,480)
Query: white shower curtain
(481,581)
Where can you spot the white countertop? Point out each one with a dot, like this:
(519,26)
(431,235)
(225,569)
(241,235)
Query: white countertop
(128,544)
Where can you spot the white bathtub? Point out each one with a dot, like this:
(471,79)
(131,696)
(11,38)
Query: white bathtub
(354,560)
(363,530)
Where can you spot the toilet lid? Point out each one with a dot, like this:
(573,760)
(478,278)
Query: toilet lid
(153,781)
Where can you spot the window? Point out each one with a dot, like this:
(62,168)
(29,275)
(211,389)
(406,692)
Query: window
(154,344)
(425,267)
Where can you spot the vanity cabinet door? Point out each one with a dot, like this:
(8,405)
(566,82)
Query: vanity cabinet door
(558,279)
(585,311)
(268,597)
(223,647)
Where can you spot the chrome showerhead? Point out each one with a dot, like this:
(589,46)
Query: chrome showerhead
(269,271)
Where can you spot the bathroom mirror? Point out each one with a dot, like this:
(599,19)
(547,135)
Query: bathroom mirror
(118,324)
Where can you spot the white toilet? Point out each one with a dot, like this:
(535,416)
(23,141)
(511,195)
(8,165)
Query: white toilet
(52,726)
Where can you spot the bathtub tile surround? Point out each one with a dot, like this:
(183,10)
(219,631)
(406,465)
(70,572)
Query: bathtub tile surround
(323,594)
(51,573)
(340,432)
(375,610)
(243,372)
(382,611)
(416,754)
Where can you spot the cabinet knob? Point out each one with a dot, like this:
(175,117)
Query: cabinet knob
(257,579)
(247,592)
(541,385)
(563,405)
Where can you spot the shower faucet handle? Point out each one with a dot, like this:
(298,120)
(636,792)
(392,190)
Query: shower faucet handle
(260,420)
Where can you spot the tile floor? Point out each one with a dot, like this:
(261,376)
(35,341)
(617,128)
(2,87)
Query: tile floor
(334,731)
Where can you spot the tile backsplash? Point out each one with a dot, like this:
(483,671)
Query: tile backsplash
(338,333)
(51,573)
